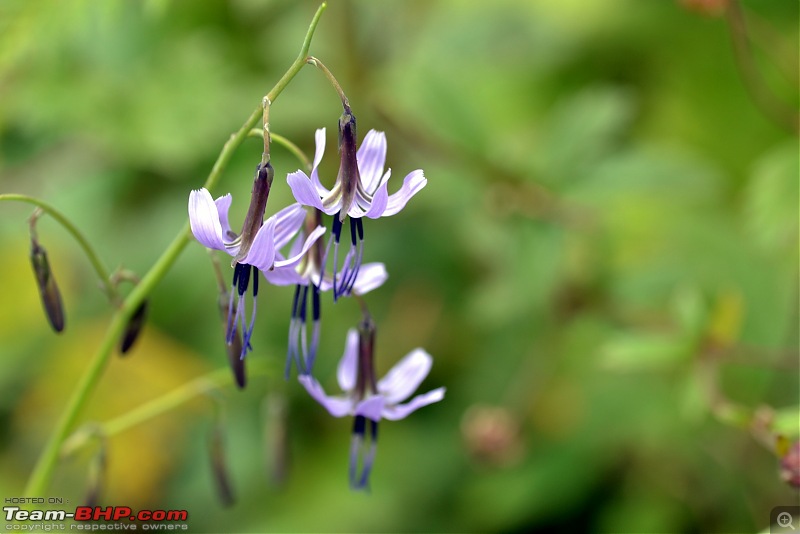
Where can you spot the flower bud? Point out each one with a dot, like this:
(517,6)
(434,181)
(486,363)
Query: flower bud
(348,178)
(97,475)
(134,327)
(276,438)
(258,205)
(51,297)
(234,347)
(219,467)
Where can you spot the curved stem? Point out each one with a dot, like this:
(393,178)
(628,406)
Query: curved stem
(291,147)
(194,388)
(43,470)
(311,60)
(94,259)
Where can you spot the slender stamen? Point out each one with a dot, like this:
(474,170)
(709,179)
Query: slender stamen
(230,332)
(316,310)
(356,442)
(292,350)
(350,280)
(301,367)
(337,233)
(369,459)
(357,452)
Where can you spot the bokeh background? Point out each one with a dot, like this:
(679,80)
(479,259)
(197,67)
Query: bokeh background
(604,263)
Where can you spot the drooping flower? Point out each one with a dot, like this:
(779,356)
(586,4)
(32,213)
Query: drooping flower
(360,191)
(371,400)
(308,280)
(254,249)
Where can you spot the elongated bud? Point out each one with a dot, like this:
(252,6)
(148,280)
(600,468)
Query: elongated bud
(135,325)
(48,289)
(234,348)
(97,475)
(276,437)
(258,204)
(219,467)
(348,168)
(365,379)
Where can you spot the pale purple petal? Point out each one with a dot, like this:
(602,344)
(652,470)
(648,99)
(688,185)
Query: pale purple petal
(204,220)
(411,185)
(303,190)
(223,205)
(393,413)
(287,222)
(406,376)
(348,365)
(371,156)
(371,408)
(262,251)
(319,139)
(370,276)
(336,406)
(284,276)
(316,234)
(380,201)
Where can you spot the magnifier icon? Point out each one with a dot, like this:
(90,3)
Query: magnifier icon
(785,520)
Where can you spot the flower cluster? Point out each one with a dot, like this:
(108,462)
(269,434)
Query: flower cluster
(288,250)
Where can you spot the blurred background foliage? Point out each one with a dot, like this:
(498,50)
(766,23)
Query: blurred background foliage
(604,263)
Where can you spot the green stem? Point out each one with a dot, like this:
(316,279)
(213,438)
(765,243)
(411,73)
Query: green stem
(94,259)
(43,470)
(291,147)
(163,404)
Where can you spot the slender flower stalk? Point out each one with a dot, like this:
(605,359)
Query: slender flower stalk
(369,400)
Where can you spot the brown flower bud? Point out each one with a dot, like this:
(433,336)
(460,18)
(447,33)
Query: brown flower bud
(234,348)
(276,438)
(133,329)
(48,289)
(219,466)
(348,178)
(97,475)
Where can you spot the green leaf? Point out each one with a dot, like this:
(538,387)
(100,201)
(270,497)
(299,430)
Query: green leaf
(641,352)
(771,199)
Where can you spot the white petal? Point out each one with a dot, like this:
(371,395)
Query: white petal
(412,183)
(393,413)
(319,140)
(223,205)
(204,219)
(371,157)
(370,276)
(262,251)
(348,365)
(371,408)
(336,406)
(406,376)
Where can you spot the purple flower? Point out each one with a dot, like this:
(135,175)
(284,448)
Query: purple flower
(367,399)
(254,249)
(360,191)
(307,277)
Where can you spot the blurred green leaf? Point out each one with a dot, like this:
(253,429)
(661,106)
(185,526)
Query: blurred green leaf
(642,351)
(771,199)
